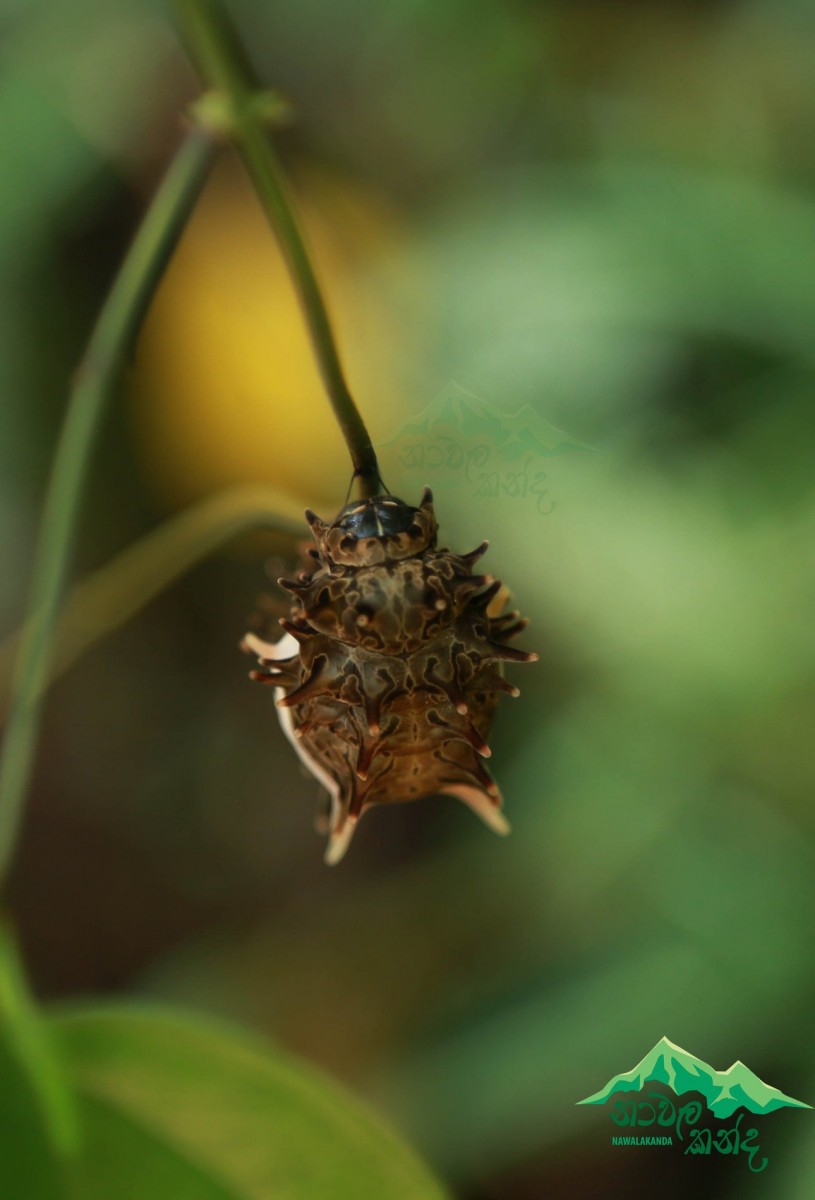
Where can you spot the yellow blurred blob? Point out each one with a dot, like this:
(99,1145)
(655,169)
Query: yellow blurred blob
(226,389)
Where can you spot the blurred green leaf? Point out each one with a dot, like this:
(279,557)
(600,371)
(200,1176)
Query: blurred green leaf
(126,1160)
(29,1166)
(38,1119)
(188,1110)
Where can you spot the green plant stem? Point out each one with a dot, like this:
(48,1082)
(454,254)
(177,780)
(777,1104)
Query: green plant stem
(29,1040)
(99,372)
(110,596)
(238,108)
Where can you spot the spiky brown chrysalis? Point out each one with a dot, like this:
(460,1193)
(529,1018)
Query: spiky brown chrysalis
(388,673)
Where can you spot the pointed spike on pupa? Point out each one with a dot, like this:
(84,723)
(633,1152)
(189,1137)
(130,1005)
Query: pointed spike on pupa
(363,761)
(310,687)
(306,691)
(453,693)
(456,698)
(488,808)
(293,585)
(318,526)
(338,841)
(487,782)
(493,680)
(513,630)
(373,712)
(265,677)
(366,755)
(507,618)
(483,599)
(481,746)
(477,581)
(472,558)
(300,633)
(280,663)
(509,629)
(471,735)
(510,654)
(466,732)
(355,807)
(467,587)
(450,689)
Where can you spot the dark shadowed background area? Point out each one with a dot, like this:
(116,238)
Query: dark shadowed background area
(584,237)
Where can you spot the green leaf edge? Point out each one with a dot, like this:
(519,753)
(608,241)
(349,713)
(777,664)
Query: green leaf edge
(340,1105)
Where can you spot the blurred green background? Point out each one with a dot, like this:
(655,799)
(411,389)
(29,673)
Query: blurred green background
(606,212)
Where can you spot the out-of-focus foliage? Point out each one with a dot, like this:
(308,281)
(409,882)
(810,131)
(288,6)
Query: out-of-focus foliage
(174,1107)
(171,1106)
(604,212)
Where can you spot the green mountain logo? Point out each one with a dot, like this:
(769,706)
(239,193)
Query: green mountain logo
(458,413)
(723,1091)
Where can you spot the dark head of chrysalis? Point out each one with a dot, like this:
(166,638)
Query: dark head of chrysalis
(391,663)
(368,532)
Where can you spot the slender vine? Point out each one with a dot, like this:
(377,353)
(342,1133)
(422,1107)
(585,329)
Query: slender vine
(235,107)
(103,601)
(94,383)
(54,633)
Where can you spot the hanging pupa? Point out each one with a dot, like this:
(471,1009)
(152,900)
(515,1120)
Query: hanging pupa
(388,673)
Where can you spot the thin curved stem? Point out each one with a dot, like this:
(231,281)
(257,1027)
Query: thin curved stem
(111,595)
(239,109)
(99,372)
